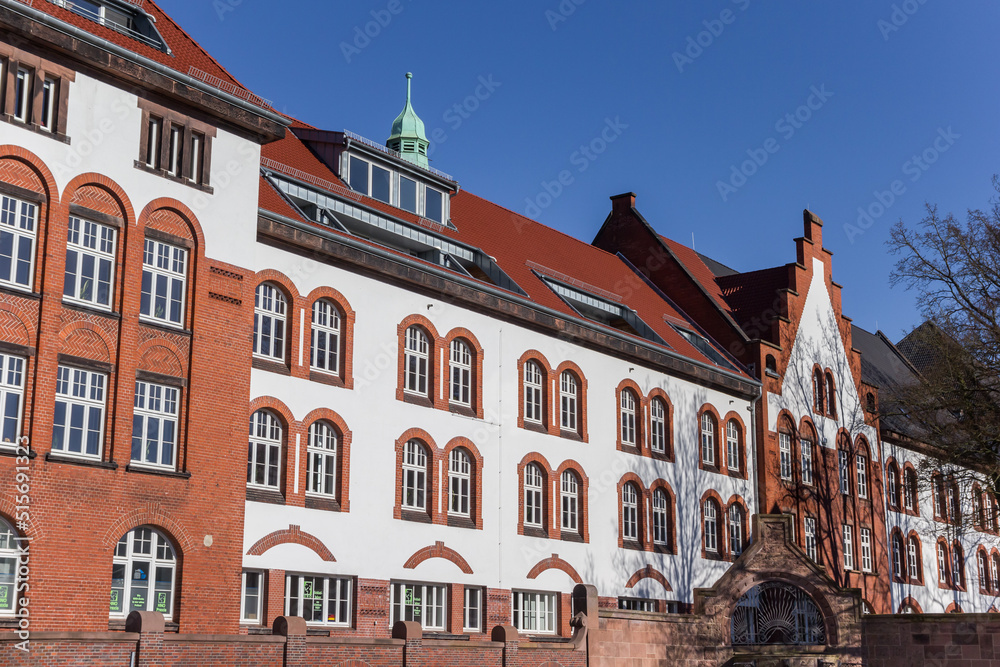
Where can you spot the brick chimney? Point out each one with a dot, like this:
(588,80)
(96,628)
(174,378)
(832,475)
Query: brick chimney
(623,203)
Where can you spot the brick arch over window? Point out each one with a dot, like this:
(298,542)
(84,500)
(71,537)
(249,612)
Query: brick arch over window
(741,465)
(343,452)
(737,500)
(668,426)
(552,531)
(476,461)
(291,535)
(671,546)
(288,424)
(478,353)
(641,515)
(581,400)
(954,608)
(161,355)
(293,301)
(893,471)
(543,364)
(584,495)
(919,574)
(435,351)
(719,434)
(648,572)
(21,167)
(99,193)
(554,562)
(641,446)
(912,604)
(348,317)
(900,574)
(438,550)
(819,390)
(86,339)
(168,215)
(149,514)
(24,528)
(15,325)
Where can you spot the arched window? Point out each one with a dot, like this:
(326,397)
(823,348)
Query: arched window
(910,490)
(907,608)
(711,526)
(658,426)
(628,417)
(264,451)
(534,489)
(785,456)
(630,512)
(416,360)
(995,572)
(831,396)
(770,364)
(942,555)
(570,488)
(707,439)
(736,535)
(898,564)
(984,573)
(143,573)
(979,507)
(324,355)
(661,518)
(862,474)
(892,484)
(461,373)
(533,383)
(321,462)
(806,447)
(8,568)
(415,476)
(957,565)
(269,322)
(819,405)
(870,402)
(733,448)
(914,569)
(459,483)
(568,401)
(954,502)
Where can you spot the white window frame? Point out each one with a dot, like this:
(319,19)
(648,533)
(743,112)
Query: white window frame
(862,476)
(912,561)
(270,323)
(196,149)
(432,597)
(735,529)
(942,557)
(415,478)
(256,616)
(337,589)
(163,264)
(658,426)
(866,550)
(809,531)
(533,382)
(710,526)
(86,392)
(154,130)
(264,450)
(19,220)
(984,582)
(89,240)
(628,408)
(957,563)
(661,530)
(570,502)
(461,373)
(416,357)
(472,609)
(848,532)
(23,80)
(129,555)
(175,157)
(459,483)
(534,496)
(534,612)
(892,487)
(9,579)
(322,449)
(733,445)
(569,391)
(994,572)
(324,351)
(707,439)
(50,89)
(12,378)
(807,461)
(444,204)
(909,490)
(155,405)
(785,453)
(844,469)
(630,512)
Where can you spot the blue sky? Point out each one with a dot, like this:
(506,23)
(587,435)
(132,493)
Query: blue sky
(670,98)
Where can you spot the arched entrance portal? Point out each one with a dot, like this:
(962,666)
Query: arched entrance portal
(776,613)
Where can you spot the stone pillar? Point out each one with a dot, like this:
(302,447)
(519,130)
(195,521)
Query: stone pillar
(293,629)
(413,637)
(508,635)
(149,625)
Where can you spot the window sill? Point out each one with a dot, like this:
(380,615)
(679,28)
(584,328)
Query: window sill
(571,536)
(30,127)
(662,549)
(464,410)
(535,426)
(713,555)
(415,515)
(141,166)
(159,472)
(163,326)
(91,309)
(271,365)
(256,629)
(632,544)
(78,461)
(710,467)
(322,503)
(326,378)
(417,399)
(20,291)
(570,435)
(461,522)
(535,531)
(17,451)
(272,496)
(666,457)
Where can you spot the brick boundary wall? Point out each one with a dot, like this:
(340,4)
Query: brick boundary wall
(931,640)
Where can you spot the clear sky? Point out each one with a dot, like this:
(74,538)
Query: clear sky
(664,99)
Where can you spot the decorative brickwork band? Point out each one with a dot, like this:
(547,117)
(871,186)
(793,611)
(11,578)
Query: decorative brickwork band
(293,535)
(648,572)
(554,562)
(438,550)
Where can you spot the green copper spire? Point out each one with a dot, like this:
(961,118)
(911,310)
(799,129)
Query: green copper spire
(408,138)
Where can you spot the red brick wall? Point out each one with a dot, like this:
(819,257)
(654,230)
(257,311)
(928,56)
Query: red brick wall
(941,640)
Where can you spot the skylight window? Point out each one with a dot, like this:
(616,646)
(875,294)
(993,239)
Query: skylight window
(705,347)
(603,311)
(121,17)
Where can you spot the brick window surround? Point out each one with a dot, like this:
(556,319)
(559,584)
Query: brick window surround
(552,500)
(189,128)
(40,70)
(437,484)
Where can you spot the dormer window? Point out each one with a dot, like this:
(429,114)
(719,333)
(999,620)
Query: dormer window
(602,310)
(395,189)
(120,16)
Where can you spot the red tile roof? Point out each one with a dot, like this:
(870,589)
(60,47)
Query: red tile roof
(699,270)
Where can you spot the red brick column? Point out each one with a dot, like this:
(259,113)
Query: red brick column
(275,600)
(149,625)
(413,636)
(508,635)
(293,629)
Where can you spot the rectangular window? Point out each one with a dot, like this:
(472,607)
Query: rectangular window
(319,600)
(422,603)
(22,95)
(637,604)
(78,425)
(50,89)
(848,547)
(433,206)
(785,445)
(11,398)
(407,194)
(164,272)
(845,480)
(176,150)
(534,612)
(154,130)
(359,175)
(253,595)
(810,534)
(17,241)
(866,550)
(862,468)
(195,157)
(154,424)
(90,263)
(472,612)
(380,184)
(807,462)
